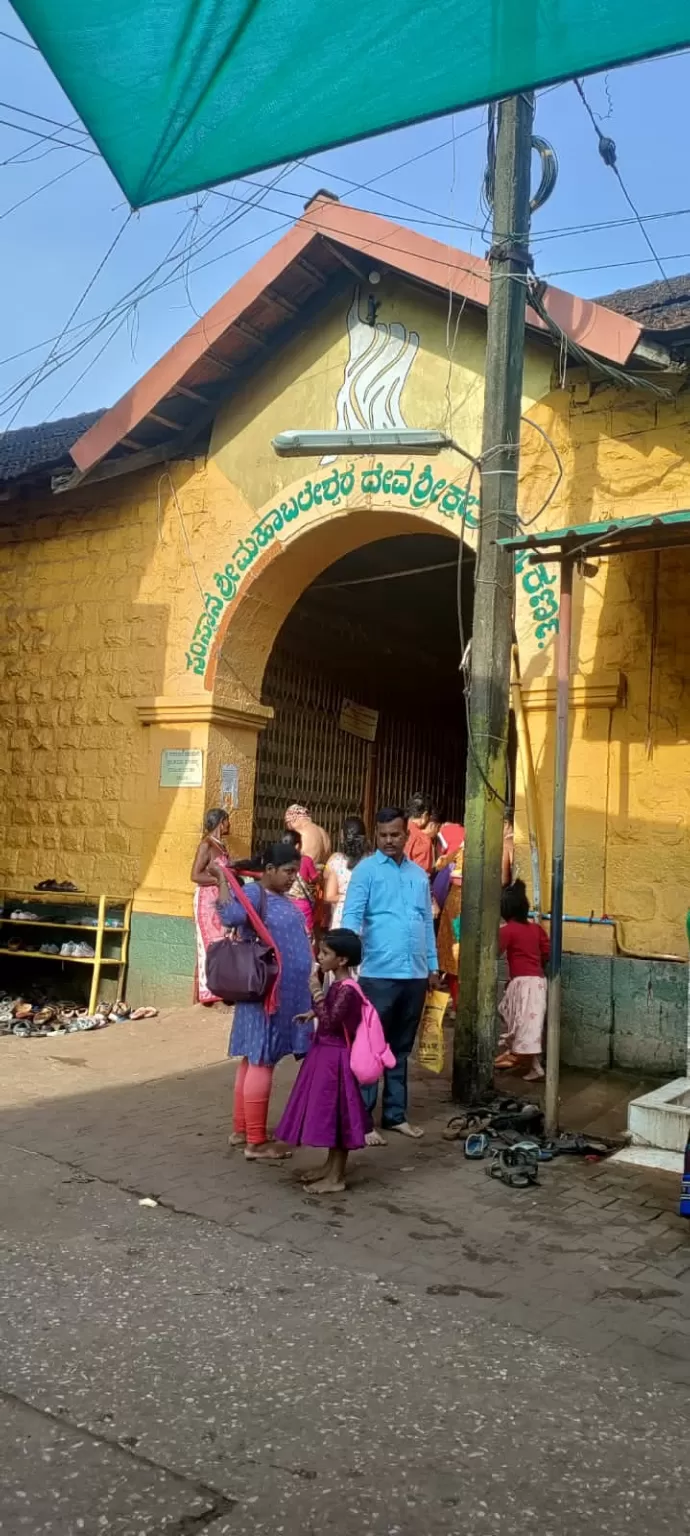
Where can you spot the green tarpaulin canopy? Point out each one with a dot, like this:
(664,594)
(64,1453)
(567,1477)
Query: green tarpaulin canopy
(181,94)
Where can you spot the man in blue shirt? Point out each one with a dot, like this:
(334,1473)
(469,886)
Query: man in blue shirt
(388,903)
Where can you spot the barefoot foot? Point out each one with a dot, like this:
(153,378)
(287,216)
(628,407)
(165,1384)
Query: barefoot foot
(375,1139)
(268,1152)
(237,1139)
(535,1076)
(328,1187)
(413,1132)
(313,1175)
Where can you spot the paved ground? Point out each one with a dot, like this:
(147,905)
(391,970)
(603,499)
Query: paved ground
(161,1375)
(595,1256)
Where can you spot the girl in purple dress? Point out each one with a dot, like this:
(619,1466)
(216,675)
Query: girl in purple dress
(325,1108)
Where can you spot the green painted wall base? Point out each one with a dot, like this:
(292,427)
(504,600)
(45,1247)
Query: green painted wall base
(627,1014)
(162,958)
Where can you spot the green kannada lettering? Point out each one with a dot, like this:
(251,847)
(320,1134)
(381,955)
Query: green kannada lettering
(422,487)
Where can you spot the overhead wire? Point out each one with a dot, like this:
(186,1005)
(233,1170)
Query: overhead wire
(609,155)
(480,466)
(134,297)
(9,106)
(450,346)
(465,644)
(566,230)
(397,249)
(190,263)
(131,297)
(216,230)
(212,235)
(573,349)
(24,156)
(611,266)
(367,581)
(44,138)
(55,408)
(370,185)
(45,185)
(129,300)
(438,220)
(75,310)
(244,205)
(23,42)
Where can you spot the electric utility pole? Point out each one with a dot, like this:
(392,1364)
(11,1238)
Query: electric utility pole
(492,629)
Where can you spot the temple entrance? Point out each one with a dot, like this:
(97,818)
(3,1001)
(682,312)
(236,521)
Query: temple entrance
(365,684)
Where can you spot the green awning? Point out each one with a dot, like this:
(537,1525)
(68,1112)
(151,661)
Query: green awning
(620,536)
(181,94)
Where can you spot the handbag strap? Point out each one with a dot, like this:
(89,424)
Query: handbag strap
(257,922)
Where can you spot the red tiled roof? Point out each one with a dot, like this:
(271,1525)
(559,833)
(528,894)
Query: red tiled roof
(255,311)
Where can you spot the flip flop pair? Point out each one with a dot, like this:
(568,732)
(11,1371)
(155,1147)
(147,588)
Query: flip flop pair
(517,1167)
(459,1127)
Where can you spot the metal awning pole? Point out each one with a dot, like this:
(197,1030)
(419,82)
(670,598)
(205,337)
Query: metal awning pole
(560,780)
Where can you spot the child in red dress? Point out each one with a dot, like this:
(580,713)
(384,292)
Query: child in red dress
(523,1006)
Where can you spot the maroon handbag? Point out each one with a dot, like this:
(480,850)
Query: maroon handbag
(244,970)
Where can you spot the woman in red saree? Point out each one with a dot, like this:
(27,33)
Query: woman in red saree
(211,850)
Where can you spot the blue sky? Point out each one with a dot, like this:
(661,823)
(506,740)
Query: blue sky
(52,246)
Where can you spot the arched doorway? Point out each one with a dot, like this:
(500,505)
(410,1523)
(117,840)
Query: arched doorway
(378,629)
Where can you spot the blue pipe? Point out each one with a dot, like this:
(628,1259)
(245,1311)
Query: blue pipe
(590,922)
(611,922)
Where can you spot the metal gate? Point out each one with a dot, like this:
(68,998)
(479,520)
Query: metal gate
(304,755)
(419,752)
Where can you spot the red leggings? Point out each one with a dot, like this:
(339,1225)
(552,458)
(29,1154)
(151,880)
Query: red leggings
(453,988)
(250,1103)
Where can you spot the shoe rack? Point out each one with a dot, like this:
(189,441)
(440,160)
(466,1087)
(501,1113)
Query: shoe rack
(69,913)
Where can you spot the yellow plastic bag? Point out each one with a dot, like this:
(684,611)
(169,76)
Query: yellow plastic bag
(430,1042)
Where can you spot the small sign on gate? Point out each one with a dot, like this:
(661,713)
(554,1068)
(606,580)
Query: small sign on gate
(357,720)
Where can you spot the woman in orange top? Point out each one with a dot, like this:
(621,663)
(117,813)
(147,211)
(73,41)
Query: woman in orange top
(452,840)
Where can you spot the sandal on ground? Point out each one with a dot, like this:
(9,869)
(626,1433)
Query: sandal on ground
(44,1015)
(460,1126)
(456,1128)
(517,1167)
(579,1145)
(118,1010)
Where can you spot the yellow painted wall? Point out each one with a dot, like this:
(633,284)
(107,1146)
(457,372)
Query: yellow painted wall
(91,600)
(445,387)
(628,843)
(102,592)
(117,613)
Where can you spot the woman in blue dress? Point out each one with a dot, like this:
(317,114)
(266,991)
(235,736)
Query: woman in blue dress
(261,1036)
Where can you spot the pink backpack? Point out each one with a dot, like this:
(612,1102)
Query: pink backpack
(369,1052)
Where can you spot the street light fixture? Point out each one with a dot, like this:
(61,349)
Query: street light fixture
(297,444)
